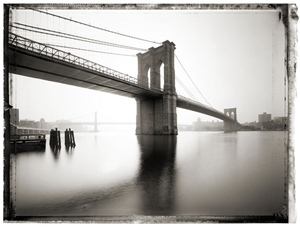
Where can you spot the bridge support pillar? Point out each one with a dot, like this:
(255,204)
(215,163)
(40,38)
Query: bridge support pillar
(230,126)
(157,116)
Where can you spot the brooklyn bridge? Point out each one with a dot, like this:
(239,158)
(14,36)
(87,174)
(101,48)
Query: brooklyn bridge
(156,106)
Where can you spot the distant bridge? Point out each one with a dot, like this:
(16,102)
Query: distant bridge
(156,107)
(97,123)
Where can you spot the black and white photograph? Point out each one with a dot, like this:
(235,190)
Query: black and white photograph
(149,113)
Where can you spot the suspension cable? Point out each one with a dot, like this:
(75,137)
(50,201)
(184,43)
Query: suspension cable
(192,81)
(78,117)
(186,89)
(81,49)
(92,26)
(79,38)
(183,86)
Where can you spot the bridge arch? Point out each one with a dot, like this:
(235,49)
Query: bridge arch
(232,115)
(157,115)
(162,75)
(148,77)
(153,59)
(231,112)
(230,126)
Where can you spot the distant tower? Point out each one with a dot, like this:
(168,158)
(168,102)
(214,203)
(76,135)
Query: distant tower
(42,123)
(95,126)
(230,126)
(231,112)
(157,116)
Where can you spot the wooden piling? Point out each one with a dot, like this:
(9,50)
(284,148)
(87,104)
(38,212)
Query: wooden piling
(58,138)
(51,142)
(69,138)
(72,137)
(55,138)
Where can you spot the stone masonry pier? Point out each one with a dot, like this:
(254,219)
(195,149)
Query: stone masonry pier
(157,116)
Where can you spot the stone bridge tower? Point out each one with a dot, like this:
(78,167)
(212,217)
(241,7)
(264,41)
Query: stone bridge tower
(230,126)
(157,116)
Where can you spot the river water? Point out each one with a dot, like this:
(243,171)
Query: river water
(119,173)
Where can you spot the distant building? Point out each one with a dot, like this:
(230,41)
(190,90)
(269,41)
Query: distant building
(208,126)
(197,125)
(254,124)
(28,123)
(280,123)
(249,126)
(280,119)
(263,118)
(42,123)
(185,127)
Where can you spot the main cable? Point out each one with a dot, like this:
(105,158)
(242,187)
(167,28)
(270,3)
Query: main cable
(79,38)
(192,81)
(75,36)
(92,26)
(78,117)
(81,49)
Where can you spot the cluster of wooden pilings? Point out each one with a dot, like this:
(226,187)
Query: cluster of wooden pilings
(69,138)
(55,141)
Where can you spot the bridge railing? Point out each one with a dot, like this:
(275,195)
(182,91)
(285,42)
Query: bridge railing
(55,53)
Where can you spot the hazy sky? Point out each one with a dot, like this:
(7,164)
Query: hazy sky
(236,59)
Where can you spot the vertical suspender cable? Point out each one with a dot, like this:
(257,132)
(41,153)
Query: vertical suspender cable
(192,81)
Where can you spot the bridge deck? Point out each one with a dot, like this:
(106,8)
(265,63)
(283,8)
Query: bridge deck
(185,103)
(36,60)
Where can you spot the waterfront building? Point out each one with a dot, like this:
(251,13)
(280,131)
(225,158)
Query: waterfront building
(262,118)
(280,119)
(208,126)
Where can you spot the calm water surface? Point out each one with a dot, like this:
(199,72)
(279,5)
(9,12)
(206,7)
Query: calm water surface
(119,173)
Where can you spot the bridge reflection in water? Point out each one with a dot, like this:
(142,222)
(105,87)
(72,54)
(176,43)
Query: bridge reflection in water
(116,174)
(157,174)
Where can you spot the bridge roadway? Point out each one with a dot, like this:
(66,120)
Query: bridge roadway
(36,60)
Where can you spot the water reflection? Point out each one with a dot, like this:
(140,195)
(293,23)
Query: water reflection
(194,173)
(55,152)
(157,174)
(70,150)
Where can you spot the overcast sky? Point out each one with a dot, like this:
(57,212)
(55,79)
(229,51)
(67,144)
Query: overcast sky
(236,59)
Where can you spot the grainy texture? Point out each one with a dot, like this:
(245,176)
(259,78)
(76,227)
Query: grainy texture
(289,18)
(292,19)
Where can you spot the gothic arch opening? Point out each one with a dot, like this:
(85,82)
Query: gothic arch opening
(162,75)
(157,115)
(232,115)
(149,77)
